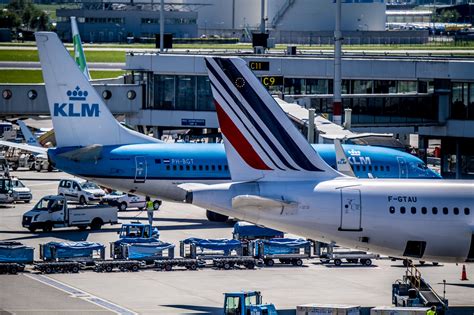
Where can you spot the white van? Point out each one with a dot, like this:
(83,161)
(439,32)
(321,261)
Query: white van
(82,191)
(20,191)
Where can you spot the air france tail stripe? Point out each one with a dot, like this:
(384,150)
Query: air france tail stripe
(250,118)
(244,126)
(267,116)
(238,141)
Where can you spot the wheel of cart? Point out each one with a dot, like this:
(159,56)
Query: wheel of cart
(192,266)
(269,262)
(134,268)
(109,268)
(337,262)
(297,262)
(48,269)
(366,262)
(168,267)
(227,265)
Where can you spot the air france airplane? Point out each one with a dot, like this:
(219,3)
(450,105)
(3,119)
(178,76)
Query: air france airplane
(93,145)
(280,181)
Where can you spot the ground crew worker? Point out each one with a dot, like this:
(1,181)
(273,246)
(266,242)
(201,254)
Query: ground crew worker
(431,311)
(151,207)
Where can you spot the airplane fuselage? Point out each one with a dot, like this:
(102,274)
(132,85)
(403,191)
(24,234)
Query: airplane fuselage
(393,217)
(157,169)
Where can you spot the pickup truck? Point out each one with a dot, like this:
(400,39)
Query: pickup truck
(54,212)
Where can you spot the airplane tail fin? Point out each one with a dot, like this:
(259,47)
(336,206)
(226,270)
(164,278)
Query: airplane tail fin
(29,137)
(79,55)
(79,115)
(260,140)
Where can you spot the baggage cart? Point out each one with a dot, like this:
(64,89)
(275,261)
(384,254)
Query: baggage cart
(208,249)
(188,263)
(122,265)
(286,250)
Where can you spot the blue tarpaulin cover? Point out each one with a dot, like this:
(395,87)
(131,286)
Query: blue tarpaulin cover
(146,250)
(137,240)
(70,249)
(278,246)
(214,244)
(245,229)
(16,252)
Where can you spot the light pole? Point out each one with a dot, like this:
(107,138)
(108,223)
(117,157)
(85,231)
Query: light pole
(337,97)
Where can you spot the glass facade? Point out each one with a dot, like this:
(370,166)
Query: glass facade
(370,102)
(462,101)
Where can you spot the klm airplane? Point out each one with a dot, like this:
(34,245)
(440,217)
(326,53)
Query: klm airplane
(93,145)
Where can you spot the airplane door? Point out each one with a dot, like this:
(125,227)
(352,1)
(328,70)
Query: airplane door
(140,169)
(402,167)
(351,210)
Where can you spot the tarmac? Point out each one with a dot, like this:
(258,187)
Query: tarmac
(193,292)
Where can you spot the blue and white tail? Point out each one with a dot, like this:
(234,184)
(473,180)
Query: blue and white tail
(80,117)
(29,137)
(260,140)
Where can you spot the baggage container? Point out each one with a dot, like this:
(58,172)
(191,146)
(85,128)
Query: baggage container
(208,249)
(15,252)
(72,251)
(390,310)
(148,251)
(327,309)
(286,250)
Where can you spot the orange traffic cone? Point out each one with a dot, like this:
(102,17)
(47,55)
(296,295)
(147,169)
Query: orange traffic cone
(463,273)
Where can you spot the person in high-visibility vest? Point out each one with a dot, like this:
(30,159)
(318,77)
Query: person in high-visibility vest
(431,311)
(151,207)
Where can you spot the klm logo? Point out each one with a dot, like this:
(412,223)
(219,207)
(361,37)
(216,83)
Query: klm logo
(77,106)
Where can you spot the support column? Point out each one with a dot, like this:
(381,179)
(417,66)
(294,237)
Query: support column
(337,97)
(442,88)
(311,125)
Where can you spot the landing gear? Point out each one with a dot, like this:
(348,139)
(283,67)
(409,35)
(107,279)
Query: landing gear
(216,217)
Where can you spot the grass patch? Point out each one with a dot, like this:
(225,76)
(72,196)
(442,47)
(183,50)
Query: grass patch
(32,55)
(35,76)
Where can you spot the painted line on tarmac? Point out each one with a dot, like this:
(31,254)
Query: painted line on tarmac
(81,294)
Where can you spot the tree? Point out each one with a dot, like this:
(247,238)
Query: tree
(9,19)
(447,16)
(40,22)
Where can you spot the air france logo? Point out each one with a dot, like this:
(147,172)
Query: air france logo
(77,106)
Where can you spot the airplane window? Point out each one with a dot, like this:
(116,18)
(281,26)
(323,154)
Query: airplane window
(376,168)
(466,211)
(174,167)
(456,211)
(413,210)
(226,167)
(157,161)
(382,168)
(168,167)
(434,210)
(207,167)
(213,167)
(445,210)
(219,167)
(388,168)
(194,167)
(402,210)
(180,167)
(370,167)
(358,168)
(187,167)
(424,210)
(200,167)
(392,209)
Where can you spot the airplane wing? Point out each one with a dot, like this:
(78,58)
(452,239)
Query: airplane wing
(23,146)
(342,162)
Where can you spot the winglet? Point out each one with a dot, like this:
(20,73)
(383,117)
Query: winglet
(342,162)
(79,55)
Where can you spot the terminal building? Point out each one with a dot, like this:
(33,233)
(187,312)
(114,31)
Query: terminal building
(119,22)
(430,97)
